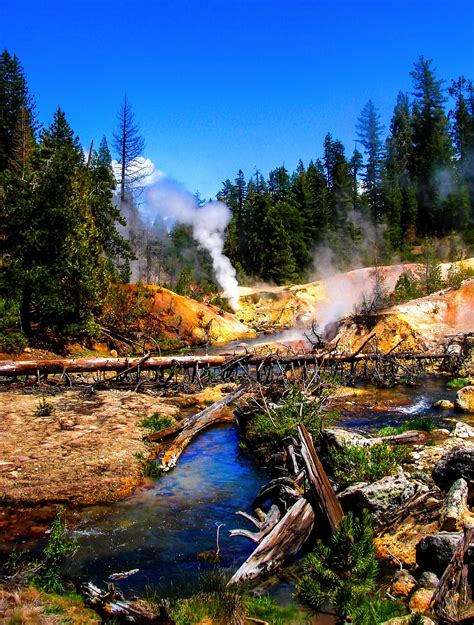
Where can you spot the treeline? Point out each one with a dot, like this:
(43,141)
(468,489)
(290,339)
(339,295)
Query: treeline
(60,247)
(416,182)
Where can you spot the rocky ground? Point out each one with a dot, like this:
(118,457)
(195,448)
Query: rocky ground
(86,450)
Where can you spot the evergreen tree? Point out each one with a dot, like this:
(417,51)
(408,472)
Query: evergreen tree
(463,132)
(106,214)
(17,108)
(343,571)
(440,206)
(369,133)
(399,191)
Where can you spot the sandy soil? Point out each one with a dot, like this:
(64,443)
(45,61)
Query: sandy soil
(85,451)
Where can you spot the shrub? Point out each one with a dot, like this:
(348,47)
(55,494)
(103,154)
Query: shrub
(457,383)
(59,545)
(12,342)
(148,466)
(157,422)
(364,464)
(43,408)
(343,571)
(272,426)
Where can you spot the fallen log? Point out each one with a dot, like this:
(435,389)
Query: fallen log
(196,424)
(320,486)
(88,365)
(111,604)
(284,541)
(10,368)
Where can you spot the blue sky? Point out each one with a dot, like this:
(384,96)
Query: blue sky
(226,84)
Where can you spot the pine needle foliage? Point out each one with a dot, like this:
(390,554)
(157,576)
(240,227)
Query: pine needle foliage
(364,464)
(342,571)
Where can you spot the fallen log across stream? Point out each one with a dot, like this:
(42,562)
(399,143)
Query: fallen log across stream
(11,368)
(281,539)
(190,427)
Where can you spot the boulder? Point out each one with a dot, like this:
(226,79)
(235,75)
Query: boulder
(383,498)
(454,507)
(435,551)
(428,580)
(457,463)
(444,404)
(420,600)
(462,430)
(465,399)
(403,584)
(340,438)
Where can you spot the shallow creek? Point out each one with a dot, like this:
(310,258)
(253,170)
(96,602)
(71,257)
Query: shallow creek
(162,527)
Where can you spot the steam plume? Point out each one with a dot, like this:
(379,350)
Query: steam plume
(208,222)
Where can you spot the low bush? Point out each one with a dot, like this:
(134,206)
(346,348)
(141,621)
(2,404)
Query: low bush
(12,342)
(270,427)
(157,422)
(44,408)
(457,383)
(342,571)
(364,464)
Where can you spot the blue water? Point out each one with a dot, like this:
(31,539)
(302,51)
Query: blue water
(161,529)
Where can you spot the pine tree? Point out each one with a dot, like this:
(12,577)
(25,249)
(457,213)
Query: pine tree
(342,572)
(369,133)
(17,108)
(106,214)
(399,190)
(440,207)
(463,132)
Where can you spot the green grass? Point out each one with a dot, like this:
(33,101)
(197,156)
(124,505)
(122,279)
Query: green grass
(157,422)
(421,425)
(265,609)
(457,383)
(148,467)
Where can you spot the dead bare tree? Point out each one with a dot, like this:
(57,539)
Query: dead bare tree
(129,145)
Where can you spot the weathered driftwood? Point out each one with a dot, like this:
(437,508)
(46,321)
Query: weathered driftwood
(410,436)
(285,540)
(320,486)
(196,424)
(265,527)
(281,489)
(112,605)
(449,612)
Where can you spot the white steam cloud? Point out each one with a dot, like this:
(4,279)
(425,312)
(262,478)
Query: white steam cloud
(168,199)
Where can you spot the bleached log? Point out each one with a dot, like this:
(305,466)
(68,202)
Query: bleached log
(196,424)
(284,541)
(320,486)
(265,527)
(88,365)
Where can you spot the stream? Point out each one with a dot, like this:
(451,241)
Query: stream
(163,526)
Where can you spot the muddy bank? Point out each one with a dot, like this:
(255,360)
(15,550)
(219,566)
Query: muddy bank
(86,450)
